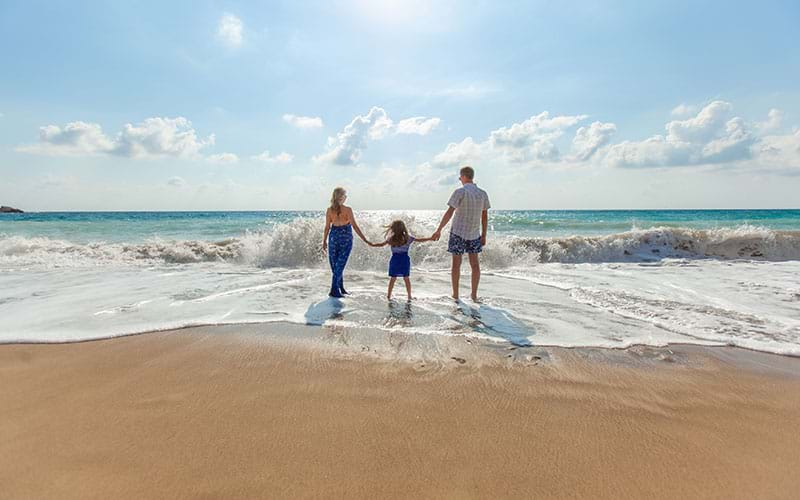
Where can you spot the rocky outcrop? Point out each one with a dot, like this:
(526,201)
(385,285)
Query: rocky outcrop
(10,210)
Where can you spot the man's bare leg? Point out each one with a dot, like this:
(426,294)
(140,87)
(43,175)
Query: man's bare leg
(455,274)
(475,264)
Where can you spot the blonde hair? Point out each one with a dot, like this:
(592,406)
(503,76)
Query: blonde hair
(396,233)
(337,199)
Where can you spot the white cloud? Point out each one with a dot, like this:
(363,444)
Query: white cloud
(712,136)
(176,181)
(774,120)
(683,110)
(154,137)
(709,137)
(74,139)
(447,180)
(418,125)
(532,139)
(732,145)
(304,122)
(346,147)
(458,154)
(160,137)
(224,158)
(380,125)
(588,140)
(702,127)
(281,158)
(780,152)
(229,30)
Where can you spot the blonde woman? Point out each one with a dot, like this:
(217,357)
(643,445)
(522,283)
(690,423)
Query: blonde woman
(338,238)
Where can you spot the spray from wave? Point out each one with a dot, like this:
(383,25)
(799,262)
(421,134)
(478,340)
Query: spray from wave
(297,244)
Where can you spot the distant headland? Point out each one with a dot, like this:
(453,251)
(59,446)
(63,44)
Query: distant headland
(10,210)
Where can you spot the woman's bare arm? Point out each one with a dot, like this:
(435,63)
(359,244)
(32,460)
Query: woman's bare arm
(328,220)
(356,228)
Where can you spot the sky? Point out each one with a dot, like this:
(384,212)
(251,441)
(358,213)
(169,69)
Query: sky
(216,105)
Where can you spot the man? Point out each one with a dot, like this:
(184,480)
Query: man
(470,204)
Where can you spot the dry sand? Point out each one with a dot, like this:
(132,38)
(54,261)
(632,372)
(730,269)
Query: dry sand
(224,413)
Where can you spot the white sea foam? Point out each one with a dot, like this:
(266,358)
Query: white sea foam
(298,245)
(646,286)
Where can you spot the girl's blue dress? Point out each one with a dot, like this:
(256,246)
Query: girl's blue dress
(400,263)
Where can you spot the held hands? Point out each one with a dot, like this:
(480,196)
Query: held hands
(435,236)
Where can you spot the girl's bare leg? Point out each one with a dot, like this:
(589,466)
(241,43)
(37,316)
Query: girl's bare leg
(391,286)
(408,286)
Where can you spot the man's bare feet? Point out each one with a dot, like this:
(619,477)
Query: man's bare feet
(455,297)
(475,298)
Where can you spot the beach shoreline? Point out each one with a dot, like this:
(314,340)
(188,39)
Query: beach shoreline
(288,410)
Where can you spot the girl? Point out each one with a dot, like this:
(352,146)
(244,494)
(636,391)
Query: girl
(337,239)
(400,264)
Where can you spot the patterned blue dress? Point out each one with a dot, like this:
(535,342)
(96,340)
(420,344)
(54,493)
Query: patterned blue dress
(340,243)
(400,263)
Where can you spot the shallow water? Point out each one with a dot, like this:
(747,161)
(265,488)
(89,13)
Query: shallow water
(608,279)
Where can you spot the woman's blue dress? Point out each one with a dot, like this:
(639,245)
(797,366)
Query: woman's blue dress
(340,243)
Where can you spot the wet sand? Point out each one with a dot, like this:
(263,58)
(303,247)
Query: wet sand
(286,411)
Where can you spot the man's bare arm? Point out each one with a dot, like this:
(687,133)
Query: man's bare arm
(484,225)
(445,219)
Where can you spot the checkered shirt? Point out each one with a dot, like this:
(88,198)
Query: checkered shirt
(469,201)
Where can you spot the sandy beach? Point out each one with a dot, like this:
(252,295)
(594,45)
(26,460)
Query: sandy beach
(238,411)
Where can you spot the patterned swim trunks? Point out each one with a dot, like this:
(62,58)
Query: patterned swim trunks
(459,245)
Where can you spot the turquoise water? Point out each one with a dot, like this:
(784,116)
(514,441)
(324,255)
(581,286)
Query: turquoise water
(569,278)
(134,227)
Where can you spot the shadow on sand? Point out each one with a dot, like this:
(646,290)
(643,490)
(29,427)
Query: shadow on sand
(494,322)
(318,313)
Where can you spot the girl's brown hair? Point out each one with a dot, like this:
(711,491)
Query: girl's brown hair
(397,234)
(337,199)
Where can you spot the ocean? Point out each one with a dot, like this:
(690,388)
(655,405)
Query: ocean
(563,278)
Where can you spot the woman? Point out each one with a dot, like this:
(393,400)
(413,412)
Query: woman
(339,226)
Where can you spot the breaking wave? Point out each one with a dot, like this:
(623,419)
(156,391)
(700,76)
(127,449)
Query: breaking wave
(297,244)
